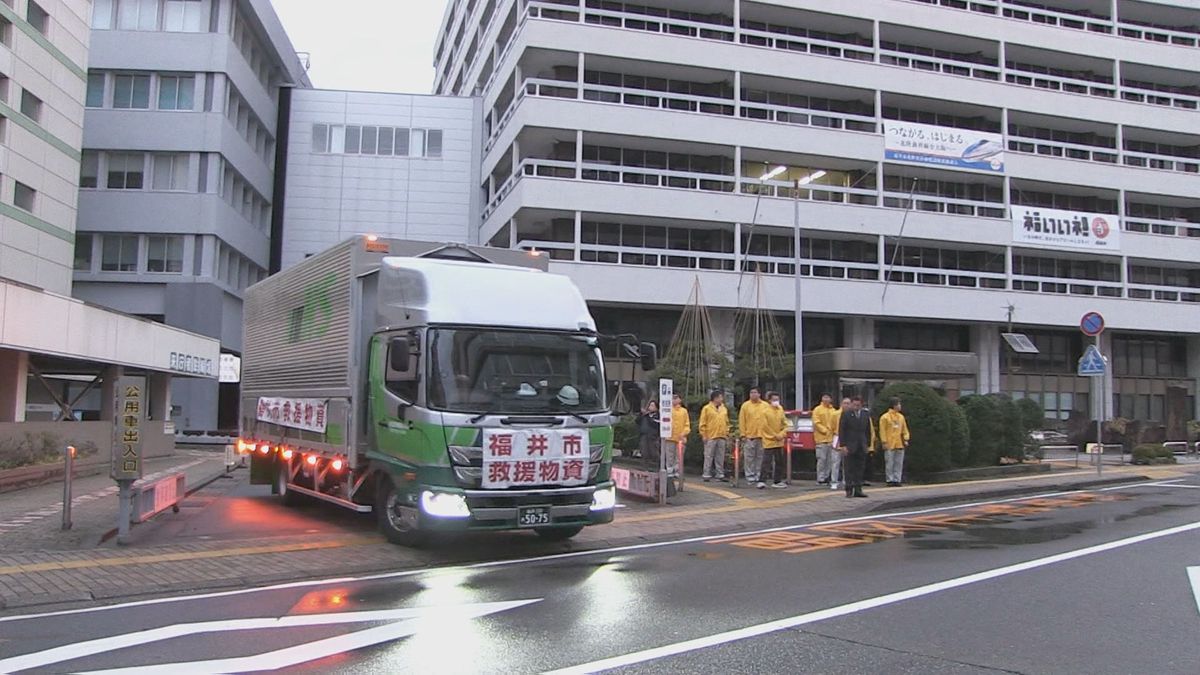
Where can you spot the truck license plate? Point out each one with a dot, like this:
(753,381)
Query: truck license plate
(532,516)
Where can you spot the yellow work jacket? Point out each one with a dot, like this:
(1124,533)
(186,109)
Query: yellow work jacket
(825,420)
(752,419)
(681,424)
(893,430)
(714,422)
(777,424)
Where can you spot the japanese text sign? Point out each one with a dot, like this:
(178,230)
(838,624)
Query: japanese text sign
(943,146)
(1065,229)
(529,457)
(666,400)
(309,414)
(129,413)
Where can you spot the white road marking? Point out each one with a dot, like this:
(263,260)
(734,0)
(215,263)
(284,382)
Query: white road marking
(411,620)
(1190,487)
(1194,578)
(546,558)
(864,605)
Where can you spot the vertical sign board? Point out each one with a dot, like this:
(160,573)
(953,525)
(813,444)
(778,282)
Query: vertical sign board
(666,396)
(129,417)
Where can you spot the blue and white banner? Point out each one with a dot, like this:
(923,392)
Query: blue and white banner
(943,146)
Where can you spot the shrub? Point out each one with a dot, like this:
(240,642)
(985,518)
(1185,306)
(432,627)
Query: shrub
(1153,453)
(999,427)
(937,426)
(625,434)
(43,448)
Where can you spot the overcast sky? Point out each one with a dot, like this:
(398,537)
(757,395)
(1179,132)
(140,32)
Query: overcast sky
(370,45)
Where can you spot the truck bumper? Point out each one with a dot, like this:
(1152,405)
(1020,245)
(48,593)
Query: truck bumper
(501,509)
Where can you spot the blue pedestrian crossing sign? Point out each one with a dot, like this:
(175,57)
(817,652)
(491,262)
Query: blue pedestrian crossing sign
(1092,363)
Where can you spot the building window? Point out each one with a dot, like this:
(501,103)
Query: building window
(119,253)
(5,32)
(176,92)
(31,106)
(320,138)
(137,14)
(4,84)
(24,196)
(131,91)
(83,252)
(89,169)
(171,171)
(38,18)
(164,254)
(355,139)
(126,171)
(95,90)
(102,14)
(183,16)
(433,143)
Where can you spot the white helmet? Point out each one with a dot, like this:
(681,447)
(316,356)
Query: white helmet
(568,395)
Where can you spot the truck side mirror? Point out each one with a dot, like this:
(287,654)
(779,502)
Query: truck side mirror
(399,353)
(649,354)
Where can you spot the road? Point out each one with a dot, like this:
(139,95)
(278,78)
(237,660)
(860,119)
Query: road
(1091,582)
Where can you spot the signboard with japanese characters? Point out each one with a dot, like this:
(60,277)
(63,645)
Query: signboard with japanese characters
(309,414)
(1066,229)
(666,401)
(943,146)
(129,415)
(530,457)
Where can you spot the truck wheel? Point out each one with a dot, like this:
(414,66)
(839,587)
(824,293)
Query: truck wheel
(391,524)
(558,533)
(287,496)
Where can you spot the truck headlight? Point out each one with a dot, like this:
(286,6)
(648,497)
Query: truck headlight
(445,505)
(604,499)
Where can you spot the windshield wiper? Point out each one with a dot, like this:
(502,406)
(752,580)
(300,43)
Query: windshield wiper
(485,413)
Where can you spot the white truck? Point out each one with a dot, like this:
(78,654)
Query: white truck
(461,389)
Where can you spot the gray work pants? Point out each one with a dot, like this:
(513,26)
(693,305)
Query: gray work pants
(894,465)
(825,459)
(752,458)
(714,457)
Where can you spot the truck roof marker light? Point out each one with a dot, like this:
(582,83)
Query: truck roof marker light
(311,460)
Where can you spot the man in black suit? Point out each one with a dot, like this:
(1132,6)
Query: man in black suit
(854,438)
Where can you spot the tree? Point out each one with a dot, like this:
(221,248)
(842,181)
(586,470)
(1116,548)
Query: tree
(938,427)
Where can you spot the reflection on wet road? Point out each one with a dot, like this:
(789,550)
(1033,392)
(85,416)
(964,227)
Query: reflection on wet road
(1004,585)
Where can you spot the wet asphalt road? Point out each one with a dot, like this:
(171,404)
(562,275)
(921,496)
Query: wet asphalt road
(1106,604)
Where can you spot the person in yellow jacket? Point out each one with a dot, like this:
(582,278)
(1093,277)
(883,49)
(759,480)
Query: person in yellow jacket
(825,421)
(752,426)
(681,426)
(714,431)
(774,441)
(893,432)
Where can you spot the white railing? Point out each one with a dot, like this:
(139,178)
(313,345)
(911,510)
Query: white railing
(1159,35)
(1072,85)
(825,119)
(801,43)
(934,64)
(936,276)
(545,87)
(810,192)
(636,175)
(1041,146)
(648,98)
(1171,228)
(1166,99)
(1161,162)
(981,6)
(939,204)
(658,24)
(1163,293)
(499,125)
(1035,283)
(1050,17)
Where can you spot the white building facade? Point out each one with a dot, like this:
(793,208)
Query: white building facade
(177,177)
(397,165)
(954,165)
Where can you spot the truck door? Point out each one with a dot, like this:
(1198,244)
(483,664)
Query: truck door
(398,433)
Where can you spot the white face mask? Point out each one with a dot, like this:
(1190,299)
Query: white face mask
(777,404)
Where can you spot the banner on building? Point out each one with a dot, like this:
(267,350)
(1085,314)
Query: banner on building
(308,414)
(943,146)
(1066,229)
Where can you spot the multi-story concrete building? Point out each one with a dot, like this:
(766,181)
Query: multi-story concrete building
(183,99)
(952,165)
(396,165)
(60,358)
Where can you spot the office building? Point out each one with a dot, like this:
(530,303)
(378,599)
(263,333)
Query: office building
(955,165)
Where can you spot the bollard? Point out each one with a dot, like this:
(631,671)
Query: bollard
(68,478)
(662,476)
(737,460)
(787,462)
(679,447)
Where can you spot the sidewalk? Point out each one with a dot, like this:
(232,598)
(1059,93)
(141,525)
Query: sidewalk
(45,577)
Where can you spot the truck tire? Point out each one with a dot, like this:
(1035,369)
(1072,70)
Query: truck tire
(287,496)
(391,525)
(558,533)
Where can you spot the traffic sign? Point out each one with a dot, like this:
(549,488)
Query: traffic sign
(1092,324)
(1092,363)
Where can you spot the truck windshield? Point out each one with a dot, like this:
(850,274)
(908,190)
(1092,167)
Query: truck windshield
(515,372)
